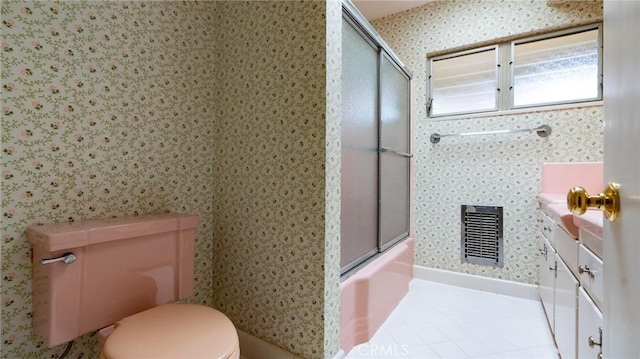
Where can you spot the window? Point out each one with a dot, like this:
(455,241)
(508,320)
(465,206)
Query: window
(558,68)
(465,82)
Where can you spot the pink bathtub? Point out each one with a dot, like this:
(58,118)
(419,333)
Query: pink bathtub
(368,297)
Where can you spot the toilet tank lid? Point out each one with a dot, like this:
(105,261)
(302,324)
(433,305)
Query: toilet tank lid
(61,236)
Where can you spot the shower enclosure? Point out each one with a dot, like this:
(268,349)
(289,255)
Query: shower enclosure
(375,144)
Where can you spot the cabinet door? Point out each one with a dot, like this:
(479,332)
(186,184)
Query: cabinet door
(566,310)
(547,282)
(588,326)
(592,280)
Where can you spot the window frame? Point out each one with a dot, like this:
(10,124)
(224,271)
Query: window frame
(505,74)
(496,107)
(553,35)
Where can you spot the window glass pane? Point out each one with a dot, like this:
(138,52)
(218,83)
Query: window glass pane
(465,83)
(560,69)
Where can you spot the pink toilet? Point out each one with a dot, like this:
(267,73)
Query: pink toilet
(117,276)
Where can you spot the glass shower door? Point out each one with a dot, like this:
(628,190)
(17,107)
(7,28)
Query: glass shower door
(394,153)
(359,178)
(376,125)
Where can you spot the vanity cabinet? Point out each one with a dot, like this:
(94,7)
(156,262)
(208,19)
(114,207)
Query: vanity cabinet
(591,296)
(571,293)
(570,284)
(558,284)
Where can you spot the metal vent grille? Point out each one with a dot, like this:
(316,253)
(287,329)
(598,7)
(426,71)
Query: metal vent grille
(481,235)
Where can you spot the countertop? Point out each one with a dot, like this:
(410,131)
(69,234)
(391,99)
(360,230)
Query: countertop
(551,198)
(555,206)
(591,221)
(590,225)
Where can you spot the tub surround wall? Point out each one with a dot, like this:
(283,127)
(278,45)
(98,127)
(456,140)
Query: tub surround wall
(501,170)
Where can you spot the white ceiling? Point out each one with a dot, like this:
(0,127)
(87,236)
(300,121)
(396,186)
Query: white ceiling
(375,9)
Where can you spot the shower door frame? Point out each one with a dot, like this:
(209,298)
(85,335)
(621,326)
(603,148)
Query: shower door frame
(356,20)
(383,56)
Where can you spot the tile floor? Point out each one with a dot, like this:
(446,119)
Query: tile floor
(441,321)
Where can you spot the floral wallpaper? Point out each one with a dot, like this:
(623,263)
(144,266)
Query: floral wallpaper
(502,170)
(215,108)
(106,111)
(269,171)
(332,178)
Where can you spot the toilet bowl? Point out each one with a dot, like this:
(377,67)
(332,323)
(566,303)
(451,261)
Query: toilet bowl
(120,276)
(173,331)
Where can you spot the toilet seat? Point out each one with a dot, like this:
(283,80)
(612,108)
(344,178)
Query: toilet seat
(172,331)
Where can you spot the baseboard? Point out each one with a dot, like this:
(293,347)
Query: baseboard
(252,347)
(492,285)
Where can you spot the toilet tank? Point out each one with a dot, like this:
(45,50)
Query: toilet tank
(123,266)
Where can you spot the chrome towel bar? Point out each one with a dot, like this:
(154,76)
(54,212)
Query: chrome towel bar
(542,131)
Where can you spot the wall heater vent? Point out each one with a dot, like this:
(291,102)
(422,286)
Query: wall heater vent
(481,235)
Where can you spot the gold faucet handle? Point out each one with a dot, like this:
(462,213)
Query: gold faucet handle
(578,201)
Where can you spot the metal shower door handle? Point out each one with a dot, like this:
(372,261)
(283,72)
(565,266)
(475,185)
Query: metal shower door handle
(404,154)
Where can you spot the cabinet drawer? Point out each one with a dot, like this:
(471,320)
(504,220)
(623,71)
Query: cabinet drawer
(540,220)
(547,228)
(591,278)
(588,324)
(567,248)
(591,241)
